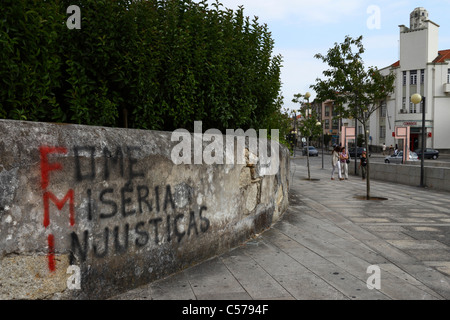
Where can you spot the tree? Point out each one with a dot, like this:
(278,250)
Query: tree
(309,126)
(30,59)
(357,91)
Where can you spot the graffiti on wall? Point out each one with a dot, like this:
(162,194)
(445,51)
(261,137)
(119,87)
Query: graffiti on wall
(154,208)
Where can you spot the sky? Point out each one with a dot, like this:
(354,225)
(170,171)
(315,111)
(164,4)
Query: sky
(302,28)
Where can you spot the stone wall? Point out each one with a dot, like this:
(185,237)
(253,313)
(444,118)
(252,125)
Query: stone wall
(89,212)
(435,175)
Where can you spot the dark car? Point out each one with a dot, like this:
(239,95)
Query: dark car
(359,151)
(312,152)
(429,153)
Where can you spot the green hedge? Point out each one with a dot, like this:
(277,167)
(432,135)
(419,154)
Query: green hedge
(141,64)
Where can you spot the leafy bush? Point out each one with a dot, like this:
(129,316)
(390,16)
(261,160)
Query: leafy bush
(152,64)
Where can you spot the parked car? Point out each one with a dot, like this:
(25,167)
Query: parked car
(312,152)
(429,153)
(398,157)
(359,152)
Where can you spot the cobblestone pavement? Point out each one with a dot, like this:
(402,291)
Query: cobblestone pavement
(324,244)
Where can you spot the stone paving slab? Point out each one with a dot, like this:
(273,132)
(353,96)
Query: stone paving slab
(254,279)
(323,245)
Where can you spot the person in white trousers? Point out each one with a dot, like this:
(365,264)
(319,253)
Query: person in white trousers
(344,166)
(335,162)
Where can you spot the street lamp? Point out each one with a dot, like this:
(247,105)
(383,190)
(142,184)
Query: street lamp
(307,95)
(295,131)
(318,123)
(417,98)
(308,114)
(368,137)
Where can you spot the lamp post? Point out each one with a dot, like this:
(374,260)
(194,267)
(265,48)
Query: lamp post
(295,131)
(417,98)
(368,131)
(307,113)
(318,123)
(368,142)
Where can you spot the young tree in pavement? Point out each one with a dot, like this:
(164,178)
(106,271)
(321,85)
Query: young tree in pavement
(310,126)
(356,91)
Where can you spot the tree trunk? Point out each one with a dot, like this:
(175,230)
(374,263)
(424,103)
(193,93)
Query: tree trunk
(307,157)
(368,165)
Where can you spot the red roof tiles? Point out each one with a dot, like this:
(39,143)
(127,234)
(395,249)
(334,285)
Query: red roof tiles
(442,56)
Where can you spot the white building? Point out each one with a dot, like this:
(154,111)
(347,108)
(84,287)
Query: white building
(422,69)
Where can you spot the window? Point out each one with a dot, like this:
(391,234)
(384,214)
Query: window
(334,112)
(422,76)
(403,109)
(383,109)
(327,123)
(382,132)
(335,124)
(413,77)
(404,78)
(327,111)
(412,107)
(448,76)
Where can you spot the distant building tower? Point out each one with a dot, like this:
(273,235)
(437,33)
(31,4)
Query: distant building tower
(424,69)
(418,18)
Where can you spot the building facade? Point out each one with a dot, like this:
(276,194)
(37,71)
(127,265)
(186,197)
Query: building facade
(422,69)
(330,122)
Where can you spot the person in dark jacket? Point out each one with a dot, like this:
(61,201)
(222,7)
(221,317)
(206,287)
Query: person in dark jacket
(363,165)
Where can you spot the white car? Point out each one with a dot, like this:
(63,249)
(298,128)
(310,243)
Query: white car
(398,157)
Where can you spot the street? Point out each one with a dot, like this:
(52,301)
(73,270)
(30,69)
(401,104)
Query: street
(376,157)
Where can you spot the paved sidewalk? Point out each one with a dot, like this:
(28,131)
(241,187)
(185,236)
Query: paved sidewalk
(323,245)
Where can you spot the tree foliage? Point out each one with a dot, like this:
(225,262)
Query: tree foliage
(356,91)
(30,59)
(156,64)
(309,118)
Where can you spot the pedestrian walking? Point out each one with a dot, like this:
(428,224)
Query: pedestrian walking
(363,165)
(384,149)
(391,150)
(335,162)
(344,159)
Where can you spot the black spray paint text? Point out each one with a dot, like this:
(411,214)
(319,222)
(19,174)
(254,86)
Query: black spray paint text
(116,189)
